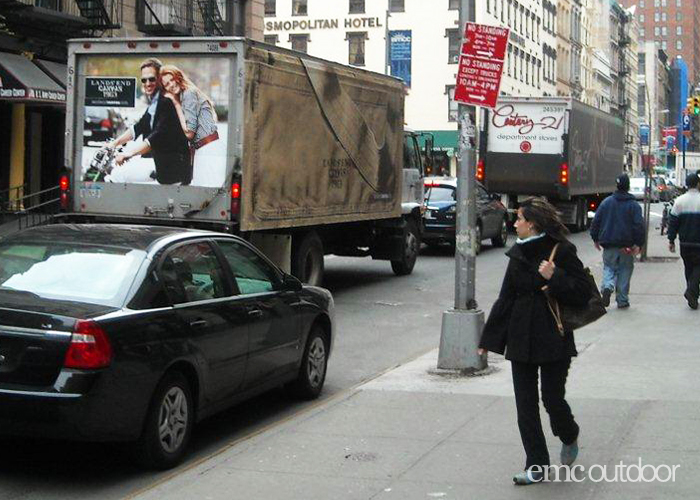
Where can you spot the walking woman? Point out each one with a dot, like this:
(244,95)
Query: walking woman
(522,325)
(198,121)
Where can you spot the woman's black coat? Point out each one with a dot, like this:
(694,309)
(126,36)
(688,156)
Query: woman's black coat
(520,323)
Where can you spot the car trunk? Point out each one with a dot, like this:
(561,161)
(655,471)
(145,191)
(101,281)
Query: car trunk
(34,337)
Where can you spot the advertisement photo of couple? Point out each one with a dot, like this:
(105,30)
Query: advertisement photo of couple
(173,133)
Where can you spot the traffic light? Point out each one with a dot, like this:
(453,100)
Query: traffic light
(696,105)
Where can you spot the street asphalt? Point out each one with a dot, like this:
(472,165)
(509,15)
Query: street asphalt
(412,433)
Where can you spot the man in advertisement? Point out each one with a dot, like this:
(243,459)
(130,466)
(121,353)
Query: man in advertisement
(162,135)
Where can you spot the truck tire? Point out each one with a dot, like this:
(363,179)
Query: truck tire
(307,258)
(409,255)
(581,215)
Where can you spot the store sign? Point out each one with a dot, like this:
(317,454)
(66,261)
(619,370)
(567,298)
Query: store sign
(324,24)
(644,135)
(400,55)
(110,91)
(481,64)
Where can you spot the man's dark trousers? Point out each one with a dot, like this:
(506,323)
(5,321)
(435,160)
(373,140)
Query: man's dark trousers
(691,262)
(525,382)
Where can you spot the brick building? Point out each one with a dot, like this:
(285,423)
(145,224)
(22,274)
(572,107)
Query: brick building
(674,25)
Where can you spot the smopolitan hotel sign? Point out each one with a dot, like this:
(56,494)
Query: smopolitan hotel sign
(324,24)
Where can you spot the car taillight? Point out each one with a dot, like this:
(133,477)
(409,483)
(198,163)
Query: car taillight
(235,198)
(64,186)
(592,205)
(564,173)
(106,123)
(89,347)
(480,170)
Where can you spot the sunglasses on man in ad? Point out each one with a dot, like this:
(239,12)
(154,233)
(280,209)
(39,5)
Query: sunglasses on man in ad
(150,79)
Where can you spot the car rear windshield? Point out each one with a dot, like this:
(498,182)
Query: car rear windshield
(440,194)
(637,182)
(66,271)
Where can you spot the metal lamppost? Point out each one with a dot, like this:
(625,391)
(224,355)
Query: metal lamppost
(461,326)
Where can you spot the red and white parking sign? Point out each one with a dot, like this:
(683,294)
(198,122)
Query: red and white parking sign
(481,64)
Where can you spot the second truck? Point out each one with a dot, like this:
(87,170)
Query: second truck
(555,147)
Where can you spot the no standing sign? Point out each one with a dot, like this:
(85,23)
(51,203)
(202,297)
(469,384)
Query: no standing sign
(481,64)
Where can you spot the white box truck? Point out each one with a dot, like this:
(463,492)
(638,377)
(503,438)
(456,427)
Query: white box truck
(302,156)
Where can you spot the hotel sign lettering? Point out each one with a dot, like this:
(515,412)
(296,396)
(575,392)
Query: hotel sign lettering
(324,24)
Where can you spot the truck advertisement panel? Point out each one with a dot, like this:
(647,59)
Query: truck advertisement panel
(154,121)
(524,127)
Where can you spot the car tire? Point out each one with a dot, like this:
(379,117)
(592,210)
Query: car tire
(409,253)
(501,238)
(314,365)
(478,236)
(168,426)
(307,259)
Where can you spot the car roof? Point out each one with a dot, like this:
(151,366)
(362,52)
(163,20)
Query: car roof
(121,235)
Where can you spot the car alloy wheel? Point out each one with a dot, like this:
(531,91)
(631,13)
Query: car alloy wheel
(316,362)
(172,419)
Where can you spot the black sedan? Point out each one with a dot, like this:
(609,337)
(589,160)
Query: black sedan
(440,216)
(134,333)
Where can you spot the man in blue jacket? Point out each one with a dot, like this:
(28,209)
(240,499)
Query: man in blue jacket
(618,227)
(685,222)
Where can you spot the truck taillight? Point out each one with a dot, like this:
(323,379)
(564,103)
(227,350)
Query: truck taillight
(235,198)
(89,347)
(564,174)
(64,185)
(480,170)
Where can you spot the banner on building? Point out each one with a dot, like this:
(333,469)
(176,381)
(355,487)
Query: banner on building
(644,135)
(400,55)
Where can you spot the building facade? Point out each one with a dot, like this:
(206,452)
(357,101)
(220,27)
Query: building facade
(674,25)
(419,42)
(654,84)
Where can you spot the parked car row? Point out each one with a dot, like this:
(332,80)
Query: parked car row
(661,189)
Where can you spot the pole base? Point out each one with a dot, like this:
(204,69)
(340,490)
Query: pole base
(459,340)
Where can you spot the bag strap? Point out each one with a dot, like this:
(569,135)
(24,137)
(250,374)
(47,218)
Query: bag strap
(554,252)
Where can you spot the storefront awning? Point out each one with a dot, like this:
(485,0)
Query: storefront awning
(57,71)
(444,140)
(23,81)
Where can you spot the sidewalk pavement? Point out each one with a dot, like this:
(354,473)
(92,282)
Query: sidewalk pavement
(414,434)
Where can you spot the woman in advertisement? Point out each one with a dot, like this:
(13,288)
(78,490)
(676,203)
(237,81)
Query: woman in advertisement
(198,121)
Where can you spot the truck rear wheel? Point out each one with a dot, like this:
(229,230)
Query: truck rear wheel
(409,255)
(307,258)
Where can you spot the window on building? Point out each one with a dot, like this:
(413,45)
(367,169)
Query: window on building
(454,5)
(641,32)
(657,31)
(452,105)
(663,17)
(300,42)
(657,17)
(453,43)
(356,48)
(300,8)
(641,4)
(679,44)
(357,6)
(679,30)
(270,8)
(272,39)
(678,3)
(509,59)
(663,3)
(664,31)
(657,3)
(663,44)
(503,10)
(641,18)
(397,6)
(679,16)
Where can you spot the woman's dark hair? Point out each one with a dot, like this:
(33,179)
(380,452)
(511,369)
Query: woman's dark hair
(544,217)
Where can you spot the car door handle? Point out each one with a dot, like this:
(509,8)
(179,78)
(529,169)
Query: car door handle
(254,312)
(198,323)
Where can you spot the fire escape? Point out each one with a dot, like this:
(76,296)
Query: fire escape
(624,101)
(183,17)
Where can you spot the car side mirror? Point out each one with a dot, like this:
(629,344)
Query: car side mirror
(291,283)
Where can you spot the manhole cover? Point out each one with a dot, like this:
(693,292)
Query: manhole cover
(361,456)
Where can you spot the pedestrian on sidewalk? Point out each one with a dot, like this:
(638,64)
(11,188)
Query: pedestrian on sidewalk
(685,222)
(521,325)
(618,227)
